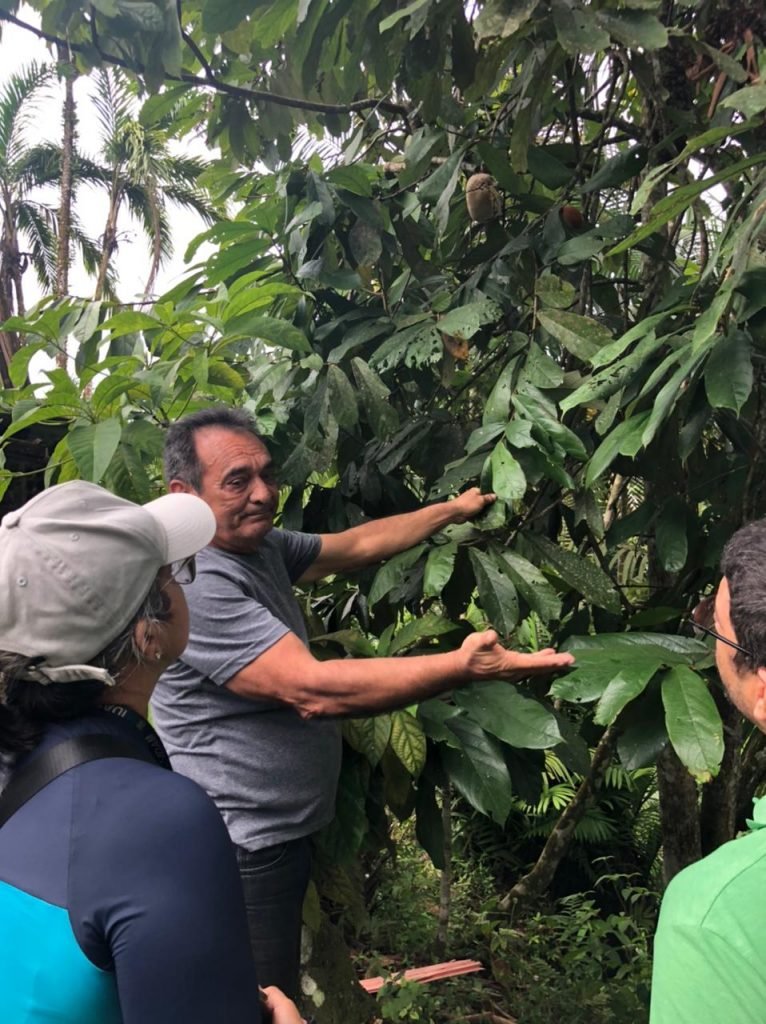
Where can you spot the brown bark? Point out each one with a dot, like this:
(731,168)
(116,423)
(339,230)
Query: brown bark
(679,816)
(536,881)
(445,879)
(11,297)
(718,809)
(109,239)
(67,180)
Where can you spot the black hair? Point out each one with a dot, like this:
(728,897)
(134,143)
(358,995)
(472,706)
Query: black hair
(26,706)
(181,461)
(743,563)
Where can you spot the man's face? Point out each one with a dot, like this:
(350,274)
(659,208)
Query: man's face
(738,681)
(238,484)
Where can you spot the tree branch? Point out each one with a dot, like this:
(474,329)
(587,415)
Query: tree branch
(536,881)
(211,82)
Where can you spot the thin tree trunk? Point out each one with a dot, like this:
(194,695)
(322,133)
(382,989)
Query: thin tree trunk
(156,243)
(9,287)
(536,881)
(63,248)
(679,817)
(109,239)
(718,808)
(63,253)
(445,880)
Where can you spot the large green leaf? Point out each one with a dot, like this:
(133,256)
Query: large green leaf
(439,566)
(670,394)
(671,536)
(579,572)
(634,29)
(682,198)
(368,736)
(479,770)
(373,397)
(500,19)
(497,593)
(424,627)
(625,437)
(434,715)
(600,659)
(497,406)
(535,589)
(609,380)
(693,723)
(629,682)
(269,329)
(128,322)
(729,372)
(408,741)
(503,712)
(428,823)
(577,29)
(580,335)
(750,101)
(508,480)
(618,169)
(343,398)
(393,573)
(465,321)
(93,446)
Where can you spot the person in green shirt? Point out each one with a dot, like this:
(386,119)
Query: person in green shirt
(710,947)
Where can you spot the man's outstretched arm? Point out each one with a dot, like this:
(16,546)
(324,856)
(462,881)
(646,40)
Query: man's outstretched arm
(381,538)
(356,687)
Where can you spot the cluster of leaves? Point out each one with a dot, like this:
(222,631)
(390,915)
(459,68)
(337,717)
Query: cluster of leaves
(577,962)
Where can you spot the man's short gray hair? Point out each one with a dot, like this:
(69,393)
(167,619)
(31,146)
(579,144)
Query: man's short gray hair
(181,460)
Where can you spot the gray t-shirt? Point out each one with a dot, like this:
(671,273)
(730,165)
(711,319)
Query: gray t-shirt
(272,774)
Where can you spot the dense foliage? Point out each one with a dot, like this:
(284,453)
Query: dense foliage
(582,332)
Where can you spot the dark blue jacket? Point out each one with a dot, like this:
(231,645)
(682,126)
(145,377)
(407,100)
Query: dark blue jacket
(120,901)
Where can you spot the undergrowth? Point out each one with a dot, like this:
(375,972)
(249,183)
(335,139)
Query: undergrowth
(576,960)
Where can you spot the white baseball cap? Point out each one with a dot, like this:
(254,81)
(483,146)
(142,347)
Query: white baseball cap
(76,562)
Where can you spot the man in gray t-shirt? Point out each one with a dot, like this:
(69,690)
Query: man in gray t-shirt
(247,711)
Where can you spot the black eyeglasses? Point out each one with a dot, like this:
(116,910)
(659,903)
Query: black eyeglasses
(185,570)
(702,618)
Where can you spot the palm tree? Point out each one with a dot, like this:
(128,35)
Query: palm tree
(28,224)
(25,233)
(143,174)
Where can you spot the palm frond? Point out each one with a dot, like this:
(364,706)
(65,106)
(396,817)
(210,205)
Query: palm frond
(146,206)
(89,171)
(37,226)
(17,108)
(184,169)
(39,166)
(192,199)
(114,105)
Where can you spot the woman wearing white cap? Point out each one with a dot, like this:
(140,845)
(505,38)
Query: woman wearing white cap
(120,901)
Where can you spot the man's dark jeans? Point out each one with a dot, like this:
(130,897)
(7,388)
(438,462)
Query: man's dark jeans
(274,881)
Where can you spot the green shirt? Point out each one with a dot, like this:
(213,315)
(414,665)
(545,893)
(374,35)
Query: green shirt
(710,947)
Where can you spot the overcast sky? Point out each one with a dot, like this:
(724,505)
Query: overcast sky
(17,48)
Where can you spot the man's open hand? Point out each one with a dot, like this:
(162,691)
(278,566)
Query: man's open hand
(486,659)
(469,504)
(276,1008)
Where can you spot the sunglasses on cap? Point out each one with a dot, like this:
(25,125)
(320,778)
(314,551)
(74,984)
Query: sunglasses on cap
(702,618)
(184,571)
